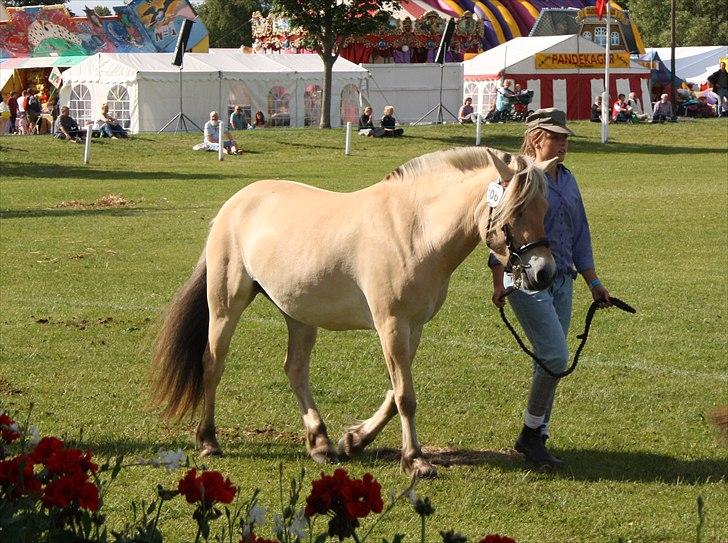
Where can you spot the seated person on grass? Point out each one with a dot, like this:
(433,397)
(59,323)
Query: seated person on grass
(109,126)
(67,127)
(212,136)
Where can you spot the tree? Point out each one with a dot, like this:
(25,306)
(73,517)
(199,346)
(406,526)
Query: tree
(228,21)
(327,24)
(696,22)
(102,11)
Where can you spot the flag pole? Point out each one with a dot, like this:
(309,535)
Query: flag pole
(605,95)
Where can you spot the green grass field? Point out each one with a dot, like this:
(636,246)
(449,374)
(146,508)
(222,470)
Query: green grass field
(82,287)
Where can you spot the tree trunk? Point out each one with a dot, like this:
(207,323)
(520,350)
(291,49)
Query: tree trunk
(328,60)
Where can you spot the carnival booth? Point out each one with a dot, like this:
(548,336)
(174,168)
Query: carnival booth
(143,90)
(563,71)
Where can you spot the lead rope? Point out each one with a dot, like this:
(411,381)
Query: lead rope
(616,302)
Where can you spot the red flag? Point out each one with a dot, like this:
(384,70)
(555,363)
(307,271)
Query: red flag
(601,5)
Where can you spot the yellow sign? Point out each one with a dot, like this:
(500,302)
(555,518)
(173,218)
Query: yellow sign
(566,61)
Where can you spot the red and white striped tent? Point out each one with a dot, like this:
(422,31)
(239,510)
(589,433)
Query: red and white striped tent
(565,72)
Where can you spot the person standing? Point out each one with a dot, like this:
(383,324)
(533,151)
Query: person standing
(13,109)
(545,315)
(719,80)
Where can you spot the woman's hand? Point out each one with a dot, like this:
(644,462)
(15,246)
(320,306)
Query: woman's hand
(499,296)
(600,294)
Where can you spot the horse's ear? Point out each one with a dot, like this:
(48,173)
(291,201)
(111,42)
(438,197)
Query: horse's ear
(504,171)
(546,165)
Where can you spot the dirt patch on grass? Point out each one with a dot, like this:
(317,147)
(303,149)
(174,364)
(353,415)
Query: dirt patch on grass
(107,201)
(7,388)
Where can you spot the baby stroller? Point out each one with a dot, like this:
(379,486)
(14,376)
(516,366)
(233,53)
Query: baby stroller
(520,106)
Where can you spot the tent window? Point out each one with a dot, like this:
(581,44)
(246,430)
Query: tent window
(489,95)
(586,35)
(471,91)
(349,104)
(615,38)
(278,107)
(118,102)
(312,104)
(600,36)
(240,96)
(80,104)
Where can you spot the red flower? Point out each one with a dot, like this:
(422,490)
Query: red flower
(72,489)
(70,462)
(7,428)
(44,448)
(17,477)
(252,538)
(362,497)
(343,496)
(496,538)
(208,488)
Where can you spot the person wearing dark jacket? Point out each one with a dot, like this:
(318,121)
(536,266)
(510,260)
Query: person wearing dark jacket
(719,80)
(389,123)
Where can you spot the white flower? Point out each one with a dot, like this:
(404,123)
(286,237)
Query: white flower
(411,496)
(169,460)
(256,515)
(299,524)
(34,435)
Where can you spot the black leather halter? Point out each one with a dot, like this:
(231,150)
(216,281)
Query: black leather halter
(515,254)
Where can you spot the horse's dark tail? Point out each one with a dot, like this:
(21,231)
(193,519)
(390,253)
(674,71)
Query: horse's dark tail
(177,368)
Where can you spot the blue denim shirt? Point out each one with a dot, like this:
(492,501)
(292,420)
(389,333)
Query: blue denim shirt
(567,228)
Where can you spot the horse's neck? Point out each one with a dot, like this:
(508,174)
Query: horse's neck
(449,211)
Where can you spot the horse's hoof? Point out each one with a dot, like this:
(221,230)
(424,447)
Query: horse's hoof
(210,450)
(349,445)
(420,468)
(324,456)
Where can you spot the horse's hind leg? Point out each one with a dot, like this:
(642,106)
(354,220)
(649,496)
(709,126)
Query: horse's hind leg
(301,339)
(225,306)
(360,435)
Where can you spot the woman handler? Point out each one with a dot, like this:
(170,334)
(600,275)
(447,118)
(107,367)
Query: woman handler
(544,315)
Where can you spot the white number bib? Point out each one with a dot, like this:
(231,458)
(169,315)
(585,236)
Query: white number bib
(495,194)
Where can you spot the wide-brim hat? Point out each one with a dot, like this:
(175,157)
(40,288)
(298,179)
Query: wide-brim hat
(551,119)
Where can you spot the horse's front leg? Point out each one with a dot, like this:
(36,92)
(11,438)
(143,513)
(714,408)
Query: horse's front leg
(301,339)
(395,336)
(357,437)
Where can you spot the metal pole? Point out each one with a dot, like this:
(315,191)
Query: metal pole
(672,57)
(220,139)
(347,141)
(605,95)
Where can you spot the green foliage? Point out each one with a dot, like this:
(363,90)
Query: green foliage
(327,25)
(82,286)
(228,21)
(696,22)
(102,11)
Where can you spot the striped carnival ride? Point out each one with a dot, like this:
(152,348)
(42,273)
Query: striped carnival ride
(503,20)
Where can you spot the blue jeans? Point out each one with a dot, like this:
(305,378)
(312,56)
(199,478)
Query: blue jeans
(721,94)
(545,316)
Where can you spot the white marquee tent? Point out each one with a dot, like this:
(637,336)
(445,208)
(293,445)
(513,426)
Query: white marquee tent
(563,71)
(693,64)
(142,89)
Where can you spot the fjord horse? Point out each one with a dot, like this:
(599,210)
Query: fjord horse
(379,258)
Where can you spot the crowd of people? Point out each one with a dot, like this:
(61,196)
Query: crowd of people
(25,110)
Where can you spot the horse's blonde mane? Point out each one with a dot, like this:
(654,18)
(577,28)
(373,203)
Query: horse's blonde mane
(463,159)
(527,184)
